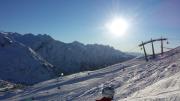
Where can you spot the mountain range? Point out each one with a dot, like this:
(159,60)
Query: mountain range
(33,58)
(71,57)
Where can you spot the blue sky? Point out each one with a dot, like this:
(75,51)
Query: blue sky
(84,20)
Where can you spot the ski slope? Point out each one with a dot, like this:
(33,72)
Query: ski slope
(134,80)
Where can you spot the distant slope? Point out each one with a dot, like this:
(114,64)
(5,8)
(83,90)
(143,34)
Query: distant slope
(71,57)
(21,64)
(134,80)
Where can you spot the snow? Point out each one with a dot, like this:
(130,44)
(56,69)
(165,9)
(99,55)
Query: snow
(167,89)
(4,85)
(133,80)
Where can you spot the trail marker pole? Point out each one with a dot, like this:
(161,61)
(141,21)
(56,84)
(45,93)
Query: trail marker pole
(161,46)
(153,48)
(145,54)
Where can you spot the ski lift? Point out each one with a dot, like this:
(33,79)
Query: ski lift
(167,42)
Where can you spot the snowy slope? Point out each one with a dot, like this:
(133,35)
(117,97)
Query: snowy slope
(71,57)
(20,64)
(134,80)
(167,89)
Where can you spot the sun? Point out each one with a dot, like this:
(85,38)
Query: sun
(117,26)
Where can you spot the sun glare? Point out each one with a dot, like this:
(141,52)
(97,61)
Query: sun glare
(117,26)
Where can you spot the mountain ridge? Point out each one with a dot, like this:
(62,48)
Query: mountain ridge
(71,57)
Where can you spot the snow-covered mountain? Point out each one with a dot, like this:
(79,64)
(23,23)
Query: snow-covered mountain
(20,64)
(134,80)
(71,57)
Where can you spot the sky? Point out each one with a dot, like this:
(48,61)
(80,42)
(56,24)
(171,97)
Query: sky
(85,20)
